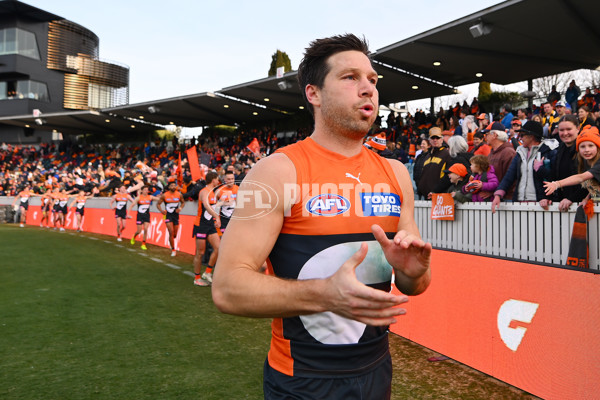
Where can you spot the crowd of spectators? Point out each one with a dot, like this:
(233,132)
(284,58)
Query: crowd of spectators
(513,151)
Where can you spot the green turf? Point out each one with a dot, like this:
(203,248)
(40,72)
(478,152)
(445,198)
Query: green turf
(81,318)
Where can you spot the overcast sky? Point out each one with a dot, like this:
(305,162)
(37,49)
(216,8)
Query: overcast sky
(182,47)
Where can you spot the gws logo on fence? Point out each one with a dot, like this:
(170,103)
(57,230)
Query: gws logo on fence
(327,204)
(519,311)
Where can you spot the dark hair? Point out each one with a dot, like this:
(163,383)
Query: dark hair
(211,176)
(479,135)
(507,107)
(572,118)
(229,173)
(314,67)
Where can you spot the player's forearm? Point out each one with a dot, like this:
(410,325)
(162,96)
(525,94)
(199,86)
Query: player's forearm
(249,293)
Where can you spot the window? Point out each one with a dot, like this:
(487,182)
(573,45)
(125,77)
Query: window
(24,90)
(18,41)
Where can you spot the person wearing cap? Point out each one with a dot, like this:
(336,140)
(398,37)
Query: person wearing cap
(502,152)
(588,154)
(521,169)
(459,177)
(513,133)
(564,165)
(435,163)
(483,120)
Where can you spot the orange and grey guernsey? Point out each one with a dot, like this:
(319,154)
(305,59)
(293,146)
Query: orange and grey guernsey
(204,217)
(80,202)
(228,195)
(144,203)
(339,199)
(172,200)
(121,201)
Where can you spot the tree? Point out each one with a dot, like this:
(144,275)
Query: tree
(279,59)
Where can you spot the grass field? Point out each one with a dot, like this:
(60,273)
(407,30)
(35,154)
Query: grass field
(83,316)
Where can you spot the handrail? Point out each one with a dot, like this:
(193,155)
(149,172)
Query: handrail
(519,231)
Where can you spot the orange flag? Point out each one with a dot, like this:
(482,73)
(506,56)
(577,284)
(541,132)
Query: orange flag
(254,147)
(179,172)
(192,156)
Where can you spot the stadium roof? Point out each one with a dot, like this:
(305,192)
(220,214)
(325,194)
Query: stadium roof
(518,41)
(79,122)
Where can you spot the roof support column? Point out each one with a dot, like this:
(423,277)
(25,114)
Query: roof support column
(431,105)
(530,89)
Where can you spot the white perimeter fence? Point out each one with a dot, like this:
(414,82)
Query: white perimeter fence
(520,231)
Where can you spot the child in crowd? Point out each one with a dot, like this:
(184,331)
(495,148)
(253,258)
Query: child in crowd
(588,145)
(484,181)
(459,176)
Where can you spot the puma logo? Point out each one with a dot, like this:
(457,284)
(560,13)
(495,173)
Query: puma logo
(357,178)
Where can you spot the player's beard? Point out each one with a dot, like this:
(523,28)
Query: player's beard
(347,122)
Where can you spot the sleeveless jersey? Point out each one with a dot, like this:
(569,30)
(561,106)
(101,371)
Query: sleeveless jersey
(24,197)
(339,199)
(228,195)
(80,202)
(63,200)
(120,201)
(144,203)
(172,200)
(203,217)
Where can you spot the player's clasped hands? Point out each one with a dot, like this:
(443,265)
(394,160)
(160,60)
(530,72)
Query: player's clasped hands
(352,299)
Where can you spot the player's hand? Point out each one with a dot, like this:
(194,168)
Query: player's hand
(352,299)
(217,223)
(164,212)
(406,252)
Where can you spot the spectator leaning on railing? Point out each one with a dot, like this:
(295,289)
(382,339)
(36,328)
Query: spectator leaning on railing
(564,165)
(528,187)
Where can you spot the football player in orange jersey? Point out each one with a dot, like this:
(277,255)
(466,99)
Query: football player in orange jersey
(336,222)
(173,201)
(143,202)
(119,203)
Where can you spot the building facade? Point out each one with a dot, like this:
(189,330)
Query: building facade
(48,65)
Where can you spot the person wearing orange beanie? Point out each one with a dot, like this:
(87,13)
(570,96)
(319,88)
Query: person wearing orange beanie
(588,153)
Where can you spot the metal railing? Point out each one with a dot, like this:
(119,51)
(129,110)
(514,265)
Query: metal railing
(520,231)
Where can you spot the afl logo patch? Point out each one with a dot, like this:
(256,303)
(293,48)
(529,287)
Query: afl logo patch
(327,205)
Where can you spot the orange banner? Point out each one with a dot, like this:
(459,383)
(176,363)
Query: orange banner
(535,327)
(195,170)
(442,206)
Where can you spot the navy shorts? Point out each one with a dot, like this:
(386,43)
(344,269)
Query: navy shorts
(374,384)
(79,211)
(172,217)
(122,213)
(24,205)
(142,217)
(203,231)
